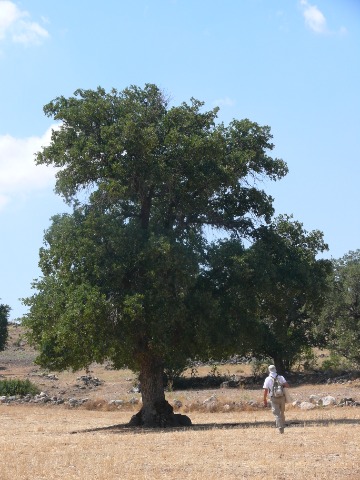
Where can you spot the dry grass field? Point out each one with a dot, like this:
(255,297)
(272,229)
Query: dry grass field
(37,443)
(48,442)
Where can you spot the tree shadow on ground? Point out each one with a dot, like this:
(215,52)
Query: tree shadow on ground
(124,428)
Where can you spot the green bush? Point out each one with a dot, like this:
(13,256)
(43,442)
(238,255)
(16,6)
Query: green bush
(336,363)
(17,387)
(259,366)
(306,360)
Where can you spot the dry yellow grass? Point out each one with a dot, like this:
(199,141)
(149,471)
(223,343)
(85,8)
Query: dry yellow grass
(36,443)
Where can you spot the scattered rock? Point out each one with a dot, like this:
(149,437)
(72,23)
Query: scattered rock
(348,402)
(211,403)
(117,403)
(177,404)
(73,402)
(135,389)
(211,399)
(306,406)
(225,385)
(326,401)
(89,381)
(43,375)
(233,383)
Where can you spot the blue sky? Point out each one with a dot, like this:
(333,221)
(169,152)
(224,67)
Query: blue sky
(291,64)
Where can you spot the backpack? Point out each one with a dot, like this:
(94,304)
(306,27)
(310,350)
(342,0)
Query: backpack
(277,390)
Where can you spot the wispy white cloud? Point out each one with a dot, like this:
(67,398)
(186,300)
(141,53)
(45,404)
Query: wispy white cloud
(16,25)
(314,18)
(19,175)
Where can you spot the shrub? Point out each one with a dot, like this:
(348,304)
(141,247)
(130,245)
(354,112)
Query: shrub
(336,364)
(259,367)
(306,360)
(17,387)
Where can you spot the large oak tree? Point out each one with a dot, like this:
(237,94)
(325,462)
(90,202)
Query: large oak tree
(125,276)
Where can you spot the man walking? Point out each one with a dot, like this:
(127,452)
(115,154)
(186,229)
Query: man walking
(277,400)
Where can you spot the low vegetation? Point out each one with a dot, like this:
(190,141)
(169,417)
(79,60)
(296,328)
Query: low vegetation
(17,387)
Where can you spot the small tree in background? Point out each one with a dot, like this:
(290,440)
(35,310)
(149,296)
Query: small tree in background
(291,286)
(340,321)
(4,317)
(125,276)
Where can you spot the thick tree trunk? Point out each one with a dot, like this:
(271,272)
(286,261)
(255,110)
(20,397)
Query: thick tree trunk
(155,411)
(279,364)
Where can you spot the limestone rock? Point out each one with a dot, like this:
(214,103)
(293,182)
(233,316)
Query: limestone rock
(306,406)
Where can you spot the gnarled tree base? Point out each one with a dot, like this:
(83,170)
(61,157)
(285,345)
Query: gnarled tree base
(161,415)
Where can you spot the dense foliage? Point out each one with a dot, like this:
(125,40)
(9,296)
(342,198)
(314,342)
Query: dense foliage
(4,317)
(17,387)
(276,287)
(340,321)
(290,282)
(125,277)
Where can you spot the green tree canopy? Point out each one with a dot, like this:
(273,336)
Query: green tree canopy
(291,288)
(340,322)
(4,317)
(124,277)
